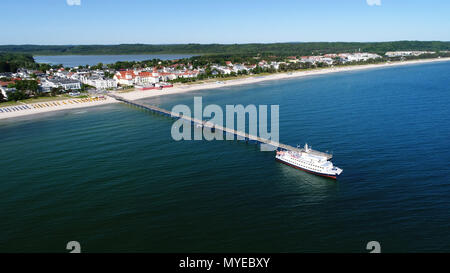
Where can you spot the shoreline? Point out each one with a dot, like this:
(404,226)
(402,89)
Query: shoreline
(137,95)
(183,88)
(62,105)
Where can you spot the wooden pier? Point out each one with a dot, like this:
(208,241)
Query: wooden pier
(204,123)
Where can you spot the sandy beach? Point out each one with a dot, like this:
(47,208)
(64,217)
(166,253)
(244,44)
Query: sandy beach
(136,95)
(45,107)
(182,88)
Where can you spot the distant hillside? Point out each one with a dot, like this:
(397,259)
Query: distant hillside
(274,48)
(10,62)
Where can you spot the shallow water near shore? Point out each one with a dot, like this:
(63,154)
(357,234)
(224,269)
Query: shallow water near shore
(112,178)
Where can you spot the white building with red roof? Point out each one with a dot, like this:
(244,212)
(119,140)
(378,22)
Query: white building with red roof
(125,77)
(132,77)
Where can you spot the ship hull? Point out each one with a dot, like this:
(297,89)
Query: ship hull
(308,171)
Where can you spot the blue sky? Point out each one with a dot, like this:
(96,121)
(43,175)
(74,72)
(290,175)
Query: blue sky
(221,21)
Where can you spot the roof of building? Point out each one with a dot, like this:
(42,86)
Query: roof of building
(62,80)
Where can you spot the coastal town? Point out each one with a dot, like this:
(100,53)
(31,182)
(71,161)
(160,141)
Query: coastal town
(75,81)
(54,87)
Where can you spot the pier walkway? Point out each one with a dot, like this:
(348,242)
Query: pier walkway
(205,123)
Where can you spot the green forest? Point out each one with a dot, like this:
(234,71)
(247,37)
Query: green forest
(280,49)
(10,62)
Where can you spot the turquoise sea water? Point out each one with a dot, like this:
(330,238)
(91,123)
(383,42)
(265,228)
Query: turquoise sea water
(112,178)
(76,60)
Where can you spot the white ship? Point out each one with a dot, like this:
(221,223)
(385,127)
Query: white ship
(309,160)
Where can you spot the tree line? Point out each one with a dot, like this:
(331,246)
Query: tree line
(11,62)
(283,49)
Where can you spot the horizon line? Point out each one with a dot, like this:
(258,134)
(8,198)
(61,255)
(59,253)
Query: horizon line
(193,43)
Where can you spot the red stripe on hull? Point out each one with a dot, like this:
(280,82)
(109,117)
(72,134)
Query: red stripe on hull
(305,170)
